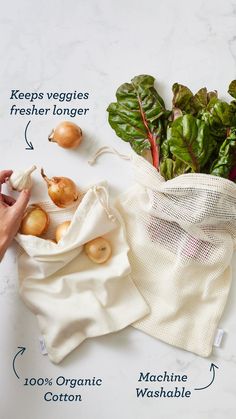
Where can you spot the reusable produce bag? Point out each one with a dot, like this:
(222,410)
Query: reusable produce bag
(182,235)
(73,297)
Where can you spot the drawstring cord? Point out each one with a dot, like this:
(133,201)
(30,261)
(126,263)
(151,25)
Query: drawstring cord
(102,196)
(100,191)
(107,149)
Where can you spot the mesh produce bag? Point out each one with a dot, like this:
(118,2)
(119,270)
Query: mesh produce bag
(181,234)
(73,297)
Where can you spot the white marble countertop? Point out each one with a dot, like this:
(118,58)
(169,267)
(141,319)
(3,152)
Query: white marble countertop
(95,46)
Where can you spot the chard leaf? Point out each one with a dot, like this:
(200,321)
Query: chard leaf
(182,96)
(171,168)
(226,160)
(219,116)
(185,101)
(190,142)
(212,94)
(176,113)
(165,148)
(232,89)
(139,146)
(136,116)
(222,113)
(233,104)
(201,99)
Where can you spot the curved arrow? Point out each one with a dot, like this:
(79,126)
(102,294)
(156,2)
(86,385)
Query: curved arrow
(30,145)
(20,352)
(212,367)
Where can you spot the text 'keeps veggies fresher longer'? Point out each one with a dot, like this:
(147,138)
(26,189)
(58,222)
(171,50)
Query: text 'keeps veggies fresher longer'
(197,135)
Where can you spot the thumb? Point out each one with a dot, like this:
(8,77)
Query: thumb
(21,203)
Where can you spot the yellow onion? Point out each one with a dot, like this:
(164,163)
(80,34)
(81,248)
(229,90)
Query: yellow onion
(62,190)
(61,230)
(35,221)
(98,250)
(66,135)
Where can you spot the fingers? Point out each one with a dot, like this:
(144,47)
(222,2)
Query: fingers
(4,175)
(7,199)
(20,205)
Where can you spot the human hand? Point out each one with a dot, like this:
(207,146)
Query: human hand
(11,213)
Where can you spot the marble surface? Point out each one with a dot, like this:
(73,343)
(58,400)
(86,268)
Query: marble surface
(95,46)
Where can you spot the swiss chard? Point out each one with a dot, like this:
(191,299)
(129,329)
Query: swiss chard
(185,101)
(182,97)
(198,135)
(226,160)
(219,116)
(232,89)
(189,141)
(170,168)
(202,98)
(136,116)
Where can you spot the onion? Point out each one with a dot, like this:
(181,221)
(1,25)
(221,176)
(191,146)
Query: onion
(98,250)
(35,221)
(66,135)
(62,190)
(61,230)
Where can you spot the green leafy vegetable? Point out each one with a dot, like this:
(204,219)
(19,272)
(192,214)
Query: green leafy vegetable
(189,141)
(219,116)
(227,157)
(184,100)
(135,116)
(232,89)
(181,97)
(197,135)
(201,99)
(171,168)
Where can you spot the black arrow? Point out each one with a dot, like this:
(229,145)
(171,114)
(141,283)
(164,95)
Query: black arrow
(20,352)
(30,145)
(212,367)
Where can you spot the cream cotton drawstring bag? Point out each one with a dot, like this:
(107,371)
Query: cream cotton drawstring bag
(181,235)
(72,297)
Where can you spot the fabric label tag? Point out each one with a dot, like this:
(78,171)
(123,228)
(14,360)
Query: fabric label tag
(42,346)
(218,337)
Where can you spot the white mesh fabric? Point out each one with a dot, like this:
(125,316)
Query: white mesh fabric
(181,235)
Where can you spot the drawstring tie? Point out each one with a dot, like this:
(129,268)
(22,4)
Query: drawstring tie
(100,191)
(102,196)
(107,149)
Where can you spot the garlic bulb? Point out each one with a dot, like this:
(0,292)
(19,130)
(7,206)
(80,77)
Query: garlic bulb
(20,180)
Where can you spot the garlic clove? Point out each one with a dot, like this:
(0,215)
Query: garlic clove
(20,180)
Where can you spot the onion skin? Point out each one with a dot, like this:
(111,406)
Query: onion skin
(62,190)
(66,135)
(35,221)
(98,250)
(61,230)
